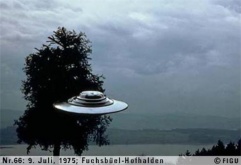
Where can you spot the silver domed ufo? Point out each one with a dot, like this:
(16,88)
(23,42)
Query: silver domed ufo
(91,102)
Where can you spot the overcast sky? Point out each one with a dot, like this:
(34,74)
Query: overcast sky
(159,56)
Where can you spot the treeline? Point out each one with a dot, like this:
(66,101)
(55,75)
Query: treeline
(231,149)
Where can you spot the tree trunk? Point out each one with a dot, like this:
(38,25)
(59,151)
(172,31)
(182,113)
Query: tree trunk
(56,149)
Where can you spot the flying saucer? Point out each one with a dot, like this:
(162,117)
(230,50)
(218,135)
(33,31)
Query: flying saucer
(91,102)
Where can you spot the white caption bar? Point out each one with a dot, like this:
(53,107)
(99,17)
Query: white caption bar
(90,160)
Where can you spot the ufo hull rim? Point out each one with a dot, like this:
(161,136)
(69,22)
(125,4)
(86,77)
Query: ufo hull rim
(117,106)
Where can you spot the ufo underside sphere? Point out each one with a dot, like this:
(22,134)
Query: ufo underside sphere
(91,102)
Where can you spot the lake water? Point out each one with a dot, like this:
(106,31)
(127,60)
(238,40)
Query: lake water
(110,150)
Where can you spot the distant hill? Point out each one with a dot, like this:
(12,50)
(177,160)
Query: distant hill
(127,120)
(8,116)
(151,136)
(175,136)
(8,136)
(172,121)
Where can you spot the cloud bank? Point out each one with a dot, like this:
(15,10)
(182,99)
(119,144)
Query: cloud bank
(159,56)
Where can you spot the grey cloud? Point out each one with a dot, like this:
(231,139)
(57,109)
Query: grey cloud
(192,36)
(4,6)
(232,5)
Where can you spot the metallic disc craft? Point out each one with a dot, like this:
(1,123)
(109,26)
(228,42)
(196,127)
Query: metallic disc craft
(91,102)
